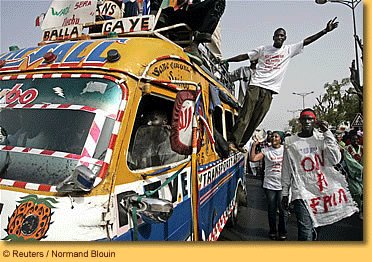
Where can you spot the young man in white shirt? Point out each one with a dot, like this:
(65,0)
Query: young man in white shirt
(319,192)
(272,64)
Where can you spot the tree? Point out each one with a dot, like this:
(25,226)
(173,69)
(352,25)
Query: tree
(355,81)
(295,125)
(339,103)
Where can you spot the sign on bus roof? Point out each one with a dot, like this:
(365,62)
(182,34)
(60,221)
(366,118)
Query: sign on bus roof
(70,12)
(120,26)
(129,24)
(63,33)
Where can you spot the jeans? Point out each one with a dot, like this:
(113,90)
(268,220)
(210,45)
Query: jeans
(273,204)
(306,231)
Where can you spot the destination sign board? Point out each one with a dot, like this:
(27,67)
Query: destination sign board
(119,26)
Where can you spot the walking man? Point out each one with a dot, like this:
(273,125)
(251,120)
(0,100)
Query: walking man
(319,192)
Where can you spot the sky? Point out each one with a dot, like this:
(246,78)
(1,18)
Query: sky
(246,25)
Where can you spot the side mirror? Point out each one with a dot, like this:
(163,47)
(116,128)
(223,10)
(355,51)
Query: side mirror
(151,210)
(81,180)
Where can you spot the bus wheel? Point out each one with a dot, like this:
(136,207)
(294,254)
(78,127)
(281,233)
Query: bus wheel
(233,219)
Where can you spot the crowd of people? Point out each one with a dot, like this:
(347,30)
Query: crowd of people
(285,161)
(351,164)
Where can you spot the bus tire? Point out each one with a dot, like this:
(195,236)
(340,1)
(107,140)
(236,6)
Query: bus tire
(233,219)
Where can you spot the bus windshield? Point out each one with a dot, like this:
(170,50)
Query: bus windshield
(63,119)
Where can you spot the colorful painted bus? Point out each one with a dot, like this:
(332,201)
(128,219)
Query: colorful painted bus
(113,136)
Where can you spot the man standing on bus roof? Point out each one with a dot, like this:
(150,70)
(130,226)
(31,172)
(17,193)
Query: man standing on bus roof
(202,16)
(272,64)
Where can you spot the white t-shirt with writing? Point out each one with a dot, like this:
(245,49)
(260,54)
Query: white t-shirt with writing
(308,170)
(272,64)
(273,168)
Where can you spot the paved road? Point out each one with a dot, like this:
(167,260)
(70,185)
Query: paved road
(253,225)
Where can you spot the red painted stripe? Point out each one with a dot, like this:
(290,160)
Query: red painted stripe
(85,153)
(54,66)
(69,65)
(172,86)
(109,78)
(66,75)
(102,173)
(8,148)
(20,184)
(93,64)
(64,106)
(73,156)
(50,152)
(112,141)
(124,89)
(9,68)
(164,81)
(88,108)
(215,188)
(47,152)
(120,115)
(47,75)
(99,163)
(86,75)
(95,132)
(43,187)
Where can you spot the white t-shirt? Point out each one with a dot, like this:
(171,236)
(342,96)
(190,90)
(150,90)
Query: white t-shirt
(273,168)
(308,169)
(272,64)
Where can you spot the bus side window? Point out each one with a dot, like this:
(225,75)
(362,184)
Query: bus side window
(228,121)
(221,145)
(217,119)
(150,142)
